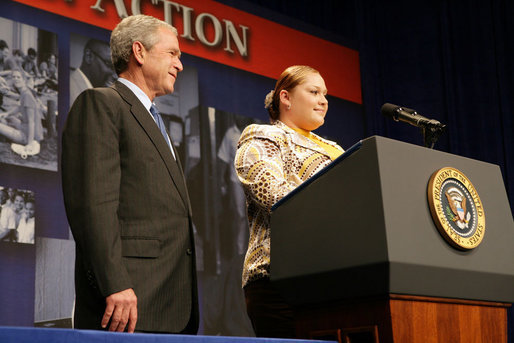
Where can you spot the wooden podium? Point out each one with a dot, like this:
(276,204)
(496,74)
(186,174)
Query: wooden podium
(356,251)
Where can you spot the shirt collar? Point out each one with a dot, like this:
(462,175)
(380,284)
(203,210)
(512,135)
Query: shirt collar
(145,100)
(303,132)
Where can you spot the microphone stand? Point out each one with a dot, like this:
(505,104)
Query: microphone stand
(431,133)
(431,129)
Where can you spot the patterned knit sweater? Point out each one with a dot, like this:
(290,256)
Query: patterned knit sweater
(271,161)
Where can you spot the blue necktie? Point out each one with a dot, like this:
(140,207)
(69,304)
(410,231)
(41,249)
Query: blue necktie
(160,124)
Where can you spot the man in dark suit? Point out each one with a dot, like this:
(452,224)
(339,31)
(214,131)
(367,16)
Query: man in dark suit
(125,194)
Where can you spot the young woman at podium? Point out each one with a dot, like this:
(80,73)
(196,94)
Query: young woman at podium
(271,161)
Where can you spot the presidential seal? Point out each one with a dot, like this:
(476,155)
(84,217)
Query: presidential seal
(456,208)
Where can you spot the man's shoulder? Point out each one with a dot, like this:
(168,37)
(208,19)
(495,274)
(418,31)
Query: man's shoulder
(6,211)
(100,101)
(107,94)
(11,62)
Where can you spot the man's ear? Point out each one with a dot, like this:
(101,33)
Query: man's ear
(139,51)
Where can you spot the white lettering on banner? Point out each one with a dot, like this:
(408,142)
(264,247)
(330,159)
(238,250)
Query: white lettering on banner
(201,20)
(231,31)
(199,26)
(186,17)
(120,7)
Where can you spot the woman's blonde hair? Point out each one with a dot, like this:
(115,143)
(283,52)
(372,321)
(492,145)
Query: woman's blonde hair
(289,79)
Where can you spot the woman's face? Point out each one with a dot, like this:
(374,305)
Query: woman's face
(17,80)
(4,53)
(308,104)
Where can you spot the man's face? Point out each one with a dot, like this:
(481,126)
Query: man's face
(18,58)
(102,75)
(162,64)
(19,203)
(30,209)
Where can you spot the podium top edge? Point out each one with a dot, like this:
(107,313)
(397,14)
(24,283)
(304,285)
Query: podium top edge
(344,156)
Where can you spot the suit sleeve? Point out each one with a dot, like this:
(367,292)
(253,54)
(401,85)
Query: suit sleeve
(91,174)
(260,167)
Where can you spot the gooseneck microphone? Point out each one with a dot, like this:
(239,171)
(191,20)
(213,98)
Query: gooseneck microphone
(430,128)
(410,116)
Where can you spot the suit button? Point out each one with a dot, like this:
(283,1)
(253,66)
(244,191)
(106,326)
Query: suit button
(189,251)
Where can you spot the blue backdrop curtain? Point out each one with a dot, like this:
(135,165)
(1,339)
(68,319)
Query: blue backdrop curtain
(450,60)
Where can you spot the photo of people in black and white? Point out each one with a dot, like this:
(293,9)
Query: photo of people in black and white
(55,287)
(28,96)
(17,215)
(90,65)
(221,227)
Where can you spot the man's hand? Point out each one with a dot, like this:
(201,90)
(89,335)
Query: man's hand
(121,309)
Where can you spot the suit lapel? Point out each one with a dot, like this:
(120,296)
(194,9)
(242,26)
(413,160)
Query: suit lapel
(154,134)
(183,178)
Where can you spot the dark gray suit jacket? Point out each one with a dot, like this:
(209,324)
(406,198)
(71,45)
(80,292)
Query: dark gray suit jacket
(129,212)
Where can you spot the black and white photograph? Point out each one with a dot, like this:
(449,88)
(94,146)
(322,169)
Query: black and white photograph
(17,215)
(90,65)
(221,226)
(55,293)
(28,96)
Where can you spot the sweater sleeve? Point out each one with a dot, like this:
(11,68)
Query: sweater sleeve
(260,166)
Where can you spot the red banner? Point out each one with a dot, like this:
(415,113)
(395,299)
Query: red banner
(229,36)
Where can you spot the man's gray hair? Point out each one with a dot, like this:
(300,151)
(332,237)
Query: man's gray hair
(141,28)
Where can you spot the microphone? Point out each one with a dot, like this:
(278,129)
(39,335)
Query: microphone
(408,115)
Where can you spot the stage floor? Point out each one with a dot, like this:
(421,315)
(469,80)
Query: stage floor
(46,335)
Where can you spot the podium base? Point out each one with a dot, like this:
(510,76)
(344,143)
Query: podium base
(405,318)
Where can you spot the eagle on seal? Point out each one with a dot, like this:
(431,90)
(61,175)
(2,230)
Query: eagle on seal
(457,202)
